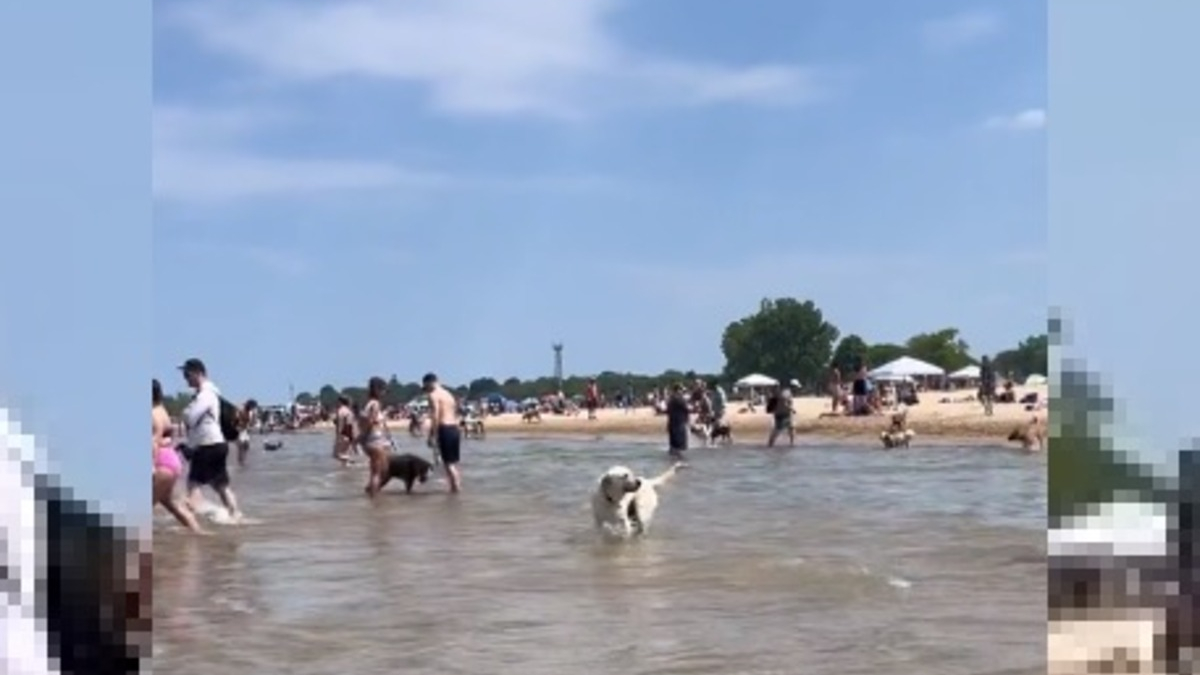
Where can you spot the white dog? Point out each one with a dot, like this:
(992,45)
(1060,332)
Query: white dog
(624,503)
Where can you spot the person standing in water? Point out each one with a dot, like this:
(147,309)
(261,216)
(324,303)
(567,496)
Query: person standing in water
(374,436)
(343,431)
(167,464)
(445,434)
(678,417)
(783,415)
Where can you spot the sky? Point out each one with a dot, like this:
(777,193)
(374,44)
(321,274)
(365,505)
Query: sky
(345,189)
(1123,158)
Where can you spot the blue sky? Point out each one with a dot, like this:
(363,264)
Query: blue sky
(1123,159)
(345,189)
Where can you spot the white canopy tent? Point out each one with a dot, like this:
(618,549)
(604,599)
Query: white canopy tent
(905,367)
(755,380)
(966,373)
(1035,380)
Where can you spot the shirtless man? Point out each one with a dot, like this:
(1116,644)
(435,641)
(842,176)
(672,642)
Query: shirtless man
(445,434)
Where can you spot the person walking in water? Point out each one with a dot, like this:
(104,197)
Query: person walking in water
(445,434)
(210,450)
(373,435)
(343,435)
(678,417)
(783,413)
(167,464)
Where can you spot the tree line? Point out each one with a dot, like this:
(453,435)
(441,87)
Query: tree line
(785,338)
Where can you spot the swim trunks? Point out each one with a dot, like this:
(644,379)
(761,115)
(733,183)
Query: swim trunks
(449,443)
(677,437)
(208,466)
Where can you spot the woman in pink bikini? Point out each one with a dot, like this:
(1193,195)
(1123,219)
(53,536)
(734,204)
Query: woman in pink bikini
(167,464)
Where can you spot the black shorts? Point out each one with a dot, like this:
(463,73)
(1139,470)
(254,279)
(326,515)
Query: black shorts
(677,438)
(208,466)
(449,443)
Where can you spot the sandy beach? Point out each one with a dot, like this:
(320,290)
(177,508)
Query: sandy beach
(930,419)
(955,420)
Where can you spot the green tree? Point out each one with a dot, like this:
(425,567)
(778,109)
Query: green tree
(943,348)
(328,397)
(1031,356)
(1083,468)
(482,386)
(878,355)
(849,353)
(785,339)
(304,398)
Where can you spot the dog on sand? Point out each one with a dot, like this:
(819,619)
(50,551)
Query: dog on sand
(624,503)
(408,468)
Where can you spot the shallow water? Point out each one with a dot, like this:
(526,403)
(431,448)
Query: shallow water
(818,559)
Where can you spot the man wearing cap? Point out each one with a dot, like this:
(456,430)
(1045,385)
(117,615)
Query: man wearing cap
(210,450)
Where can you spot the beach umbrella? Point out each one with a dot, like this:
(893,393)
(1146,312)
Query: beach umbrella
(906,366)
(756,380)
(967,373)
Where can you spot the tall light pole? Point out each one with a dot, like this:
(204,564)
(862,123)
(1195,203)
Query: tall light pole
(558,364)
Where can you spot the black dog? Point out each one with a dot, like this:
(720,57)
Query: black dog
(721,431)
(408,468)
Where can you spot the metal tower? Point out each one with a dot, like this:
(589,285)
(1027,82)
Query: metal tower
(558,366)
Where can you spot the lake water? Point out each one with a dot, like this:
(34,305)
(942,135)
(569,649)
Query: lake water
(817,559)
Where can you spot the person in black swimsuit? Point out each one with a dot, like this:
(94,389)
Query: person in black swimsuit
(678,417)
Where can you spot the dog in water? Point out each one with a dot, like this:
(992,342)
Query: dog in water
(896,439)
(408,468)
(711,434)
(1031,435)
(624,503)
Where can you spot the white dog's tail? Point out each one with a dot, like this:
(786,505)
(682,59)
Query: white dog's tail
(665,476)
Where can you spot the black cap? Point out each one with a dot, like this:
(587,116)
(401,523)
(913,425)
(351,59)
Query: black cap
(194,366)
(429,379)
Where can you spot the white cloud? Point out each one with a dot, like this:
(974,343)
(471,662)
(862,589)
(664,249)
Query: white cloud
(551,58)
(199,156)
(1033,119)
(961,30)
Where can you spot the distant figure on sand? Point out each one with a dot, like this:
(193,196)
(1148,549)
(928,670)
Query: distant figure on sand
(445,434)
(987,385)
(373,435)
(678,416)
(834,387)
(591,398)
